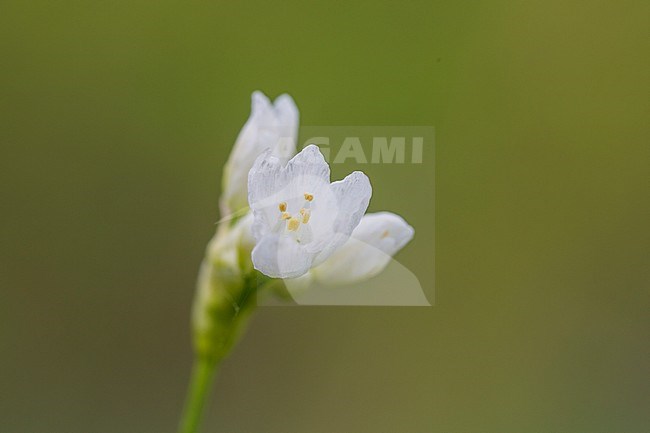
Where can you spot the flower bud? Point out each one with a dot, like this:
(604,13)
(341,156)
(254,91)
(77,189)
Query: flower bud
(225,290)
(272,126)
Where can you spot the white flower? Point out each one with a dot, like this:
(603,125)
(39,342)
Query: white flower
(270,126)
(377,238)
(300,219)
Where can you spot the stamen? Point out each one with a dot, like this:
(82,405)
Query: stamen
(305,215)
(309,197)
(293,224)
(384,234)
(282,206)
(285,215)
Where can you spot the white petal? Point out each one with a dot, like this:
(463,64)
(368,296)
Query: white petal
(268,174)
(308,163)
(260,105)
(368,251)
(352,197)
(281,257)
(264,177)
(376,228)
(287,117)
(353,194)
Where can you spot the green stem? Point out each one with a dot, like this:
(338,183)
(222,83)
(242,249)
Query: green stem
(203,373)
(223,320)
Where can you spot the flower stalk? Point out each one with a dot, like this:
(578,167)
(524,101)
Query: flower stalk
(203,373)
(225,299)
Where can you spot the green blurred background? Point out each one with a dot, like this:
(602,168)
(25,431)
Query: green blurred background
(116,118)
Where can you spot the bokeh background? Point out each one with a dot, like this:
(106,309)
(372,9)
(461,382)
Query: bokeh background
(116,118)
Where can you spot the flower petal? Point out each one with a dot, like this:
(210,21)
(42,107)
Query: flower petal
(268,175)
(352,198)
(308,163)
(281,257)
(353,194)
(287,116)
(368,251)
(384,230)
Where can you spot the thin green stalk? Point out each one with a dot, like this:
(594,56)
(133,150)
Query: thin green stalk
(203,373)
(222,323)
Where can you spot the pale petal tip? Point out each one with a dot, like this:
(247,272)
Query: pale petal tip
(360,176)
(259,101)
(362,181)
(264,158)
(402,231)
(310,153)
(286,110)
(409,234)
(312,148)
(285,101)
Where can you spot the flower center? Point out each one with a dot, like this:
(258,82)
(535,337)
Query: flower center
(297,225)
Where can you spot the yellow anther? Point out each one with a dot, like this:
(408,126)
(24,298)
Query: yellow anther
(309,197)
(286,215)
(282,206)
(305,215)
(293,224)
